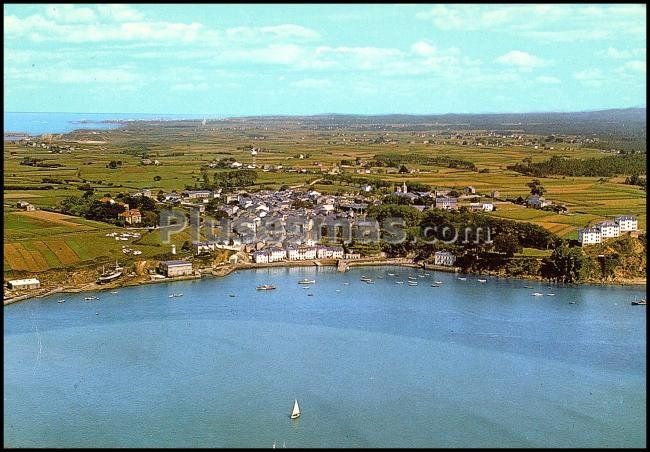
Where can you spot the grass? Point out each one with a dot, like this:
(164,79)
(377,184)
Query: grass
(184,151)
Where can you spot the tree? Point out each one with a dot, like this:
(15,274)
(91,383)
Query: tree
(403,169)
(536,188)
(566,264)
(157,178)
(508,244)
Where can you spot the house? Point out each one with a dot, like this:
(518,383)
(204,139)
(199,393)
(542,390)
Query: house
(301,253)
(469,190)
(261,257)
(197,194)
(25,206)
(131,216)
(329,252)
(589,236)
(175,268)
(609,229)
(277,254)
(352,256)
(626,223)
(31,283)
(204,247)
(537,201)
(235,165)
(444,258)
(447,203)
(495,194)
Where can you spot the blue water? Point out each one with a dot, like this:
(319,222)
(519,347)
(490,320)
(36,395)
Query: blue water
(40,123)
(461,365)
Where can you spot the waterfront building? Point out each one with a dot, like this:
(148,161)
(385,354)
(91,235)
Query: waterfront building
(175,268)
(444,258)
(31,283)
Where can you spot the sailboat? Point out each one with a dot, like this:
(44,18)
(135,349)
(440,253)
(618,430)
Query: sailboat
(296,409)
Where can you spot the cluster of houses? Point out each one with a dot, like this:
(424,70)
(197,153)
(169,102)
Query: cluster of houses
(24,205)
(301,253)
(592,235)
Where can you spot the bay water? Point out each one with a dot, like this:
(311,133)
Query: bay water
(465,364)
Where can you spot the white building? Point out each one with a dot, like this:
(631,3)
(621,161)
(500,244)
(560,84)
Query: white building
(444,258)
(277,254)
(31,283)
(301,253)
(329,252)
(261,257)
(609,229)
(626,223)
(589,236)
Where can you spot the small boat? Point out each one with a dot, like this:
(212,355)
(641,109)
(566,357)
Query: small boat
(265,287)
(60,301)
(346,283)
(528,287)
(462,279)
(399,282)
(572,302)
(435,285)
(537,294)
(91,298)
(438,282)
(232,295)
(482,280)
(413,283)
(296,410)
(639,303)
(338,290)
(110,275)
(365,278)
(114,291)
(310,294)
(422,276)
(369,281)
(550,294)
(174,295)
(413,278)
(307,281)
(391,274)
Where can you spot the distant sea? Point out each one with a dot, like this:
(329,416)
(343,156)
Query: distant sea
(40,123)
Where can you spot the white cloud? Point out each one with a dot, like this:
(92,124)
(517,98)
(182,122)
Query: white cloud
(75,76)
(590,77)
(636,66)
(190,87)
(545,23)
(423,48)
(312,83)
(70,13)
(521,60)
(547,79)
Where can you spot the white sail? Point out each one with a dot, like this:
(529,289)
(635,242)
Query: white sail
(296,410)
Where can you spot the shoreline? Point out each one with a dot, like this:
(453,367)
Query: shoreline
(227,269)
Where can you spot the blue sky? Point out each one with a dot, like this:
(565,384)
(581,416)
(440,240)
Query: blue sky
(310,59)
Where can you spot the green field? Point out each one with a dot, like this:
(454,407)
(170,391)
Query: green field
(185,149)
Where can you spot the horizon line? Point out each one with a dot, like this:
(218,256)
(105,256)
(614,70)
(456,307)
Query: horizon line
(340,114)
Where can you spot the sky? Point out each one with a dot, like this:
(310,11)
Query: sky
(295,59)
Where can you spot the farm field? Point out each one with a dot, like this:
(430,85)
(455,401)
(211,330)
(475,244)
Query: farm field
(47,240)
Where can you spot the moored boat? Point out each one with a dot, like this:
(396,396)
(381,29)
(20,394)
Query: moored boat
(265,287)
